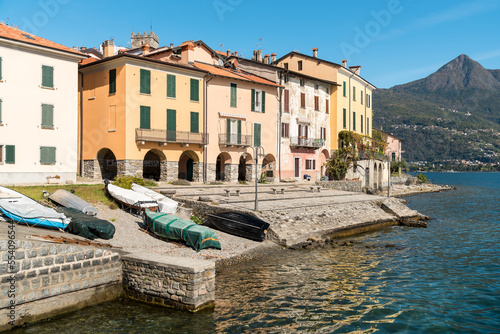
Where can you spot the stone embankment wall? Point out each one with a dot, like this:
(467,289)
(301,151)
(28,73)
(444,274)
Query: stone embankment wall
(47,279)
(182,283)
(355,186)
(403,180)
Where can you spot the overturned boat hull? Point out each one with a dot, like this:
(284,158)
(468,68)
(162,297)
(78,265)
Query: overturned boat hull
(240,224)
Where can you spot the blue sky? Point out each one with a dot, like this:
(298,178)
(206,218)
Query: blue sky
(395,41)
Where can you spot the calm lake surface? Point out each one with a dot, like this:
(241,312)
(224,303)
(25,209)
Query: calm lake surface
(443,279)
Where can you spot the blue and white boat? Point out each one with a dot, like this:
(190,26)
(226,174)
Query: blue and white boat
(24,210)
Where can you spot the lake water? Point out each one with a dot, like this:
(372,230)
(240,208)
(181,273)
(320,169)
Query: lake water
(443,279)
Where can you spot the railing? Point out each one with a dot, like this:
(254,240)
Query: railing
(235,139)
(167,136)
(306,142)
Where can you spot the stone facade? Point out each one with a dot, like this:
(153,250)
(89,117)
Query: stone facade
(211,168)
(44,271)
(91,169)
(172,171)
(355,186)
(170,281)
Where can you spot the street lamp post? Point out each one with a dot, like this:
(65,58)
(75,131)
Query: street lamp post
(256,150)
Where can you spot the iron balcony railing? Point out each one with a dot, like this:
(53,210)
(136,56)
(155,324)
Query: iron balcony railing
(235,139)
(167,136)
(306,142)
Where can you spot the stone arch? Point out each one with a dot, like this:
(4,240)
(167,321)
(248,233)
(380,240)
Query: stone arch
(223,167)
(189,167)
(108,166)
(375,176)
(245,167)
(324,156)
(152,165)
(269,166)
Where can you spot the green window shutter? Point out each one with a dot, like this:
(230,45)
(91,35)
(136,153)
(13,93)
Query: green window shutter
(112,81)
(353,93)
(171,86)
(361,124)
(256,134)
(47,116)
(47,155)
(368,125)
(10,154)
(263,102)
(195,90)
(145,117)
(171,125)
(344,118)
(354,121)
(0,68)
(253,100)
(145,82)
(228,130)
(233,95)
(194,122)
(239,132)
(361,97)
(344,87)
(47,76)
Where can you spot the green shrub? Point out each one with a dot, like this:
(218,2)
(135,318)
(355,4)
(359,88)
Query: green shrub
(181,182)
(422,177)
(195,219)
(150,183)
(126,181)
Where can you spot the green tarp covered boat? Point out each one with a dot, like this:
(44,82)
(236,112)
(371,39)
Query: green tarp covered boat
(175,228)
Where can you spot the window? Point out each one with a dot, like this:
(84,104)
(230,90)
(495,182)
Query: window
(234,97)
(299,65)
(327,90)
(361,124)
(171,125)
(10,154)
(195,90)
(47,116)
(47,76)
(285,78)
(354,121)
(287,100)
(285,130)
(353,93)
(285,65)
(310,164)
(368,101)
(302,100)
(145,117)
(361,96)
(112,81)
(344,118)
(344,88)
(256,134)
(303,131)
(233,131)
(327,103)
(195,121)
(145,82)
(302,82)
(393,156)
(258,101)
(316,103)
(47,155)
(323,133)
(171,86)
(0,68)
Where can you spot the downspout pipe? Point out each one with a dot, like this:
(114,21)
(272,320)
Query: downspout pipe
(81,126)
(280,98)
(208,78)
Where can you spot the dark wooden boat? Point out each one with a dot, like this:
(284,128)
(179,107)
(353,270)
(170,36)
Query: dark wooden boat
(240,224)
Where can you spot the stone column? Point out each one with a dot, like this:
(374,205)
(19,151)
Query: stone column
(172,170)
(234,173)
(227,173)
(211,172)
(198,172)
(249,173)
(163,170)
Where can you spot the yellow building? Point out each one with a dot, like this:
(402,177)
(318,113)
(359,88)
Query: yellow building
(141,116)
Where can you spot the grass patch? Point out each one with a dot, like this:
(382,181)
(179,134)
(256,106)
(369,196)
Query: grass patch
(92,193)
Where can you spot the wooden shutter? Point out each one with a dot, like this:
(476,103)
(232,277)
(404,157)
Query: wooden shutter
(171,125)
(10,154)
(112,81)
(354,121)
(239,132)
(256,134)
(47,116)
(353,93)
(314,164)
(145,117)
(195,90)
(233,96)
(47,76)
(361,124)
(344,87)
(327,102)
(302,100)
(344,117)
(263,107)
(306,134)
(145,82)
(228,131)
(47,155)
(287,100)
(171,85)
(316,103)
(361,96)
(194,122)
(253,100)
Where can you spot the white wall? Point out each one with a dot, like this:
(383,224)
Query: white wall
(22,97)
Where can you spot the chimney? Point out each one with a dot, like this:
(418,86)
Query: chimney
(266,59)
(108,48)
(228,53)
(273,57)
(186,47)
(171,45)
(344,63)
(145,49)
(355,69)
(315,52)
(259,56)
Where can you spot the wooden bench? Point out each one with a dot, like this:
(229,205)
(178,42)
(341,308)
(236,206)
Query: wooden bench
(315,188)
(278,191)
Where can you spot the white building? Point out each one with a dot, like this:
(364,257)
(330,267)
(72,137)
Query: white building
(38,108)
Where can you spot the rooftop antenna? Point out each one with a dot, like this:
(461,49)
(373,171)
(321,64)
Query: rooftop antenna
(7,23)
(220,46)
(260,43)
(151,26)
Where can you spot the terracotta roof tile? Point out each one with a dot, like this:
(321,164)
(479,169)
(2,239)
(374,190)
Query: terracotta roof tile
(220,52)
(22,36)
(88,61)
(235,74)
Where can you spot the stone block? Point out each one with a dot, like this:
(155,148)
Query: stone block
(43,271)
(89,254)
(35,283)
(55,269)
(32,253)
(59,259)
(48,261)
(45,281)
(43,252)
(70,258)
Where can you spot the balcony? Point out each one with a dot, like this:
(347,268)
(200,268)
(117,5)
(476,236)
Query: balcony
(369,155)
(306,142)
(235,140)
(167,136)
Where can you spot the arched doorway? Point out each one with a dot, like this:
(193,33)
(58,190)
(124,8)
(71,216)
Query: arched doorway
(151,165)
(223,167)
(188,167)
(245,168)
(323,158)
(380,173)
(375,177)
(107,163)
(268,167)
